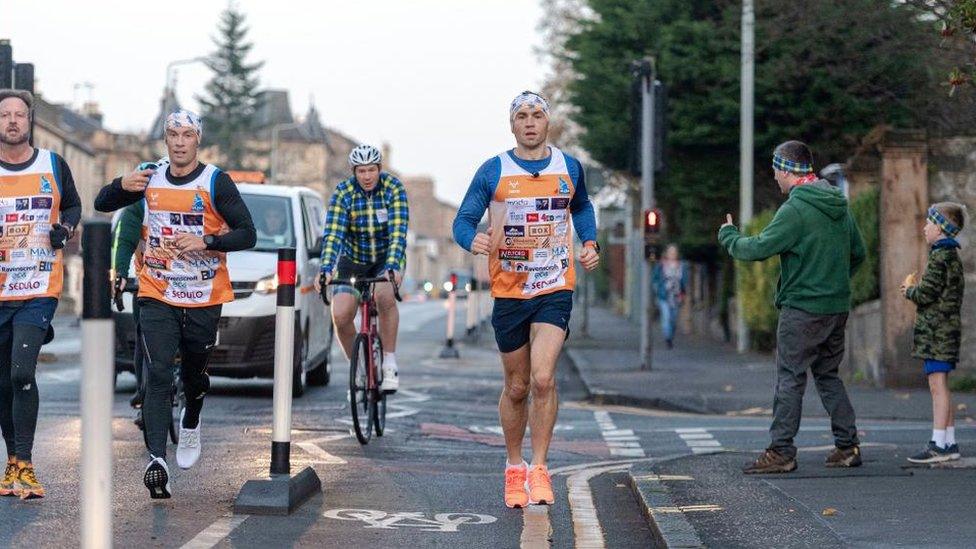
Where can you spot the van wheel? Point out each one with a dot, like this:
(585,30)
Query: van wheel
(299,378)
(321,375)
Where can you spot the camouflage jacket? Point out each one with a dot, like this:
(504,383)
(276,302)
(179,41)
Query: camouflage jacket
(938,297)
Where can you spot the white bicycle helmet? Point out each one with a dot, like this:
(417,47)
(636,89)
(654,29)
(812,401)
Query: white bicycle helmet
(365,155)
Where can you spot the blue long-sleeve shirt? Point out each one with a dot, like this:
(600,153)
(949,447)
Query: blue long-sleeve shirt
(485,181)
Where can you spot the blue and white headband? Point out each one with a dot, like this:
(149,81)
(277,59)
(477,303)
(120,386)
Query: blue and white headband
(183,119)
(531,99)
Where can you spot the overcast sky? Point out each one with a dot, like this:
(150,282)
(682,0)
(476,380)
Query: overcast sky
(432,77)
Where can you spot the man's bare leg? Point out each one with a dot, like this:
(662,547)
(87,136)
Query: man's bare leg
(344,317)
(389,316)
(545,342)
(512,406)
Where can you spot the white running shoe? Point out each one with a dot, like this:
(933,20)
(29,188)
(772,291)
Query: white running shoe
(391,378)
(156,478)
(188,449)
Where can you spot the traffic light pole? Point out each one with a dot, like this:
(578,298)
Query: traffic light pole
(647,75)
(746,149)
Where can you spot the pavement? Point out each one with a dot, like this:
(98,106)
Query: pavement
(702,499)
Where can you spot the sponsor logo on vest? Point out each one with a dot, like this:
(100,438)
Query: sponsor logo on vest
(519,203)
(513,187)
(7,269)
(10,218)
(43,216)
(522,243)
(153,241)
(41,253)
(19,275)
(3,255)
(167,231)
(552,217)
(516,217)
(193,220)
(186,294)
(532,217)
(156,263)
(46,185)
(153,198)
(540,230)
(174,219)
(540,254)
(563,186)
(18,254)
(45,266)
(561,229)
(197,203)
(523,268)
(1,230)
(542,284)
(26,217)
(560,251)
(208,274)
(18,230)
(564,263)
(41,203)
(514,255)
(204,263)
(21,286)
(23,204)
(542,203)
(560,203)
(514,230)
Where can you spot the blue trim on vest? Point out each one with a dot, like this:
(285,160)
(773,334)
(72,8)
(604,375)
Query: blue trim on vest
(55,169)
(213,181)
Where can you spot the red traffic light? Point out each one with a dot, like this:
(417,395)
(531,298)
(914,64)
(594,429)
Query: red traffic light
(652,220)
(453,280)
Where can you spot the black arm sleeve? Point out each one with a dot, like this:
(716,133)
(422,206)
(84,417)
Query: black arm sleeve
(70,201)
(230,206)
(113,196)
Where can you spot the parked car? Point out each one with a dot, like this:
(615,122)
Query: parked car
(284,217)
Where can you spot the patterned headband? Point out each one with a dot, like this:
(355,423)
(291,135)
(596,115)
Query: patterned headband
(784,165)
(184,118)
(531,99)
(941,222)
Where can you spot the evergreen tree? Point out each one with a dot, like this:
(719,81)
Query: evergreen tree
(231,97)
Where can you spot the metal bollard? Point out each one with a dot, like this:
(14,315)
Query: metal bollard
(449,350)
(282,492)
(97,371)
(471,316)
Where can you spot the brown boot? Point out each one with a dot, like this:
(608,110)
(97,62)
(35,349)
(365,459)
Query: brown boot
(770,461)
(845,457)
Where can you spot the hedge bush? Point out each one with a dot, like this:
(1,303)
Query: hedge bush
(865,286)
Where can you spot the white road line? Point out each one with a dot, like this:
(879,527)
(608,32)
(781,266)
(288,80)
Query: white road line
(215,533)
(620,442)
(699,440)
(536,528)
(587,531)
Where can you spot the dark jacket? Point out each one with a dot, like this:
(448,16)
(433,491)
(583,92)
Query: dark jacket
(938,297)
(818,244)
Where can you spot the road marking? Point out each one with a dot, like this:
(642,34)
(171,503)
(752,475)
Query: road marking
(215,533)
(441,522)
(536,528)
(587,531)
(699,440)
(620,442)
(312,447)
(397,405)
(687,509)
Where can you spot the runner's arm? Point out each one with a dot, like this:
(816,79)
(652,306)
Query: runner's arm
(70,201)
(580,206)
(475,203)
(336,221)
(128,233)
(113,196)
(232,208)
(399,216)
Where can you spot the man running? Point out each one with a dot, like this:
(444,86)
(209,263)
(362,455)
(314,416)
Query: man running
(40,209)
(193,214)
(366,237)
(530,192)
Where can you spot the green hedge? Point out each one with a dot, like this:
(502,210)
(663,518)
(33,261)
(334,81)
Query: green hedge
(757,280)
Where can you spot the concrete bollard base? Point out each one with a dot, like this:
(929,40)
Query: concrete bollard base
(278,494)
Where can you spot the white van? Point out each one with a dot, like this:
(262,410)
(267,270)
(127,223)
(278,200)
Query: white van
(284,217)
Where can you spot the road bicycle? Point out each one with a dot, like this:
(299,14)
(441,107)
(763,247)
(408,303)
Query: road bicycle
(366,401)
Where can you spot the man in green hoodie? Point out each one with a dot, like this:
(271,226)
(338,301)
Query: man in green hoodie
(819,247)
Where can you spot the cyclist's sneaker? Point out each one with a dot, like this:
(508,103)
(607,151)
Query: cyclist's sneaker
(770,461)
(932,453)
(188,449)
(391,378)
(8,486)
(953,451)
(28,487)
(136,400)
(540,486)
(844,457)
(516,486)
(157,479)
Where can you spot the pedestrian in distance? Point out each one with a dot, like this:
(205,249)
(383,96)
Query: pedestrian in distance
(670,282)
(819,247)
(39,209)
(938,322)
(531,193)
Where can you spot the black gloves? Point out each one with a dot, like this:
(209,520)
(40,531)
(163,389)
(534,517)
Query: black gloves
(59,236)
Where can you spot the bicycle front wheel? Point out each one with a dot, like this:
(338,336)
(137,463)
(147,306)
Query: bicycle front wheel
(379,397)
(359,401)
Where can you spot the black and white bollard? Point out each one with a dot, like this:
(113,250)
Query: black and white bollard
(97,373)
(449,350)
(282,492)
(472,310)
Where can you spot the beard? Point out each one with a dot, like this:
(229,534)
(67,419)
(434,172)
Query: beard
(13,142)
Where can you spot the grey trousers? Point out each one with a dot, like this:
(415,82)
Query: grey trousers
(806,341)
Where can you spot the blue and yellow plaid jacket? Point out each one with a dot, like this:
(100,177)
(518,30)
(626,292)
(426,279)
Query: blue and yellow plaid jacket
(367,227)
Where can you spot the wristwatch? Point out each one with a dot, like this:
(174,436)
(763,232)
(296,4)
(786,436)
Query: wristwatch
(209,240)
(596,245)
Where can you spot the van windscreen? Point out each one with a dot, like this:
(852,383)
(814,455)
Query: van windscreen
(273,221)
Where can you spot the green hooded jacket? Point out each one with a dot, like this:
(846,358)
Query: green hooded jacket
(818,244)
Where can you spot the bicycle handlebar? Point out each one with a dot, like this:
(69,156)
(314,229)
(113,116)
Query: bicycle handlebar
(357,281)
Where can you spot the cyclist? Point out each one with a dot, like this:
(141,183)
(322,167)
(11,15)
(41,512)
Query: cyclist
(366,236)
(530,192)
(193,215)
(40,208)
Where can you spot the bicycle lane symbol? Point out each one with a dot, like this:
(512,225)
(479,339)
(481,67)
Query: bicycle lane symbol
(441,522)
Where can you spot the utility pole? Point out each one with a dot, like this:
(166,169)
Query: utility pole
(645,70)
(746,121)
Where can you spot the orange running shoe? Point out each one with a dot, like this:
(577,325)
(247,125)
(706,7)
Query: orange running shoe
(516,489)
(540,486)
(30,487)
(8,486)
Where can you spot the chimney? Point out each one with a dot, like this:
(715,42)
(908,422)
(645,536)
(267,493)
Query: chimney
(91,110)
(387,151)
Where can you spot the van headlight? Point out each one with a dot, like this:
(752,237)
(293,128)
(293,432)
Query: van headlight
(267,285)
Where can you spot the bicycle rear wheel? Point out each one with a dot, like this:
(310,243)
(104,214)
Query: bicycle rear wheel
(359,393)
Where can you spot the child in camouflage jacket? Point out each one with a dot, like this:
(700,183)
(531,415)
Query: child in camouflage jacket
(938,298)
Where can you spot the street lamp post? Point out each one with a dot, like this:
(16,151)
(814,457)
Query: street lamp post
(746,121)
(170,83)
(645,71)
(274,147)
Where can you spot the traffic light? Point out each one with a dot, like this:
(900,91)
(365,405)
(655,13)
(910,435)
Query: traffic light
(653,219)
